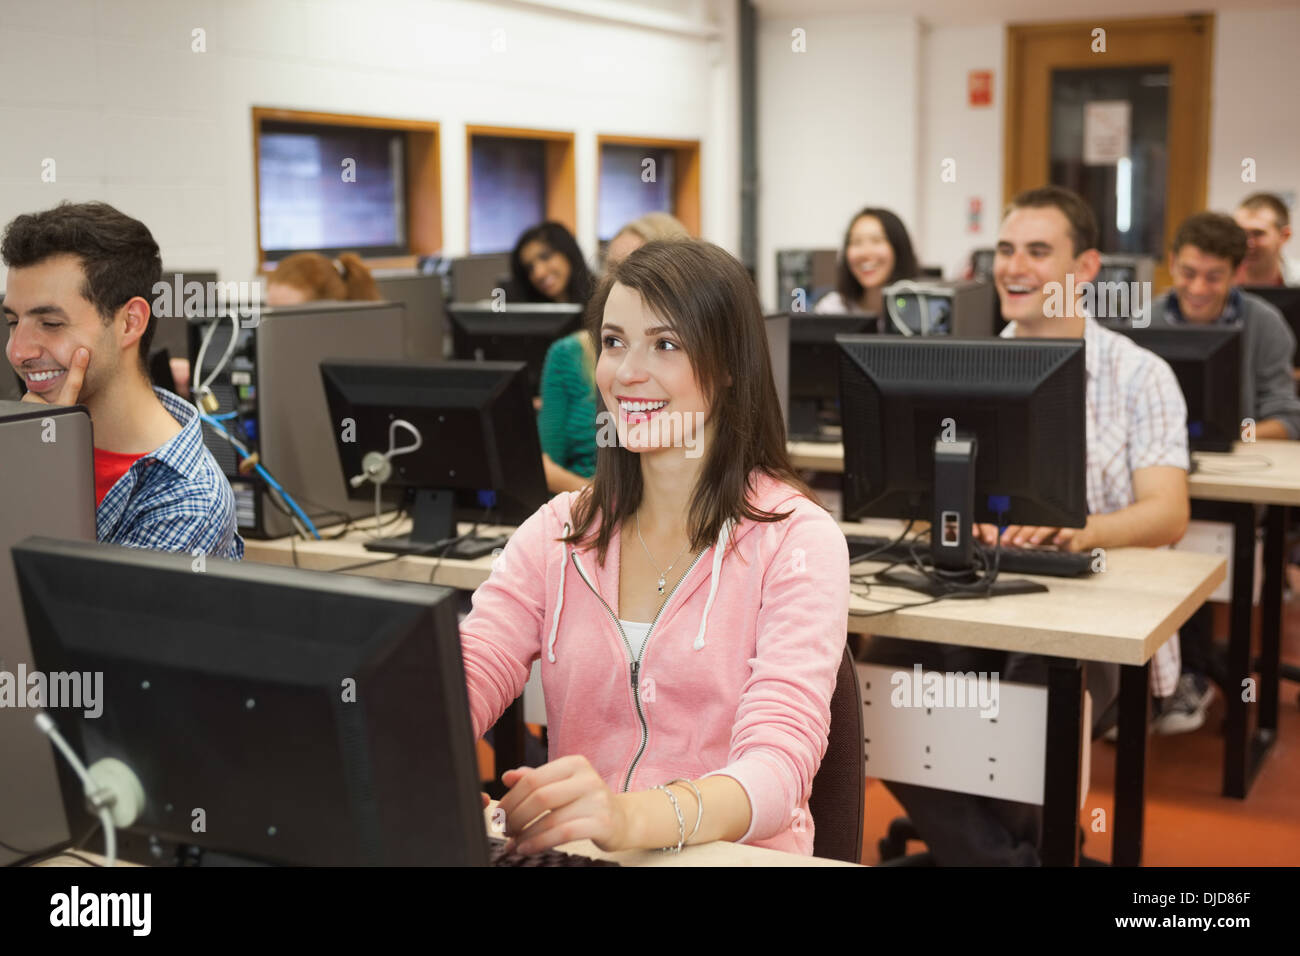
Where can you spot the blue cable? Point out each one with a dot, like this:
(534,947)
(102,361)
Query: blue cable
(215,423)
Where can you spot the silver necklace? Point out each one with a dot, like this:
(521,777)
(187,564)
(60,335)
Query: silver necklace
(664,575)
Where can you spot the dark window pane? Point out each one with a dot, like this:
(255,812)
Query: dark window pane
(1127,196)
(330,188)
(507,190)
(630,187)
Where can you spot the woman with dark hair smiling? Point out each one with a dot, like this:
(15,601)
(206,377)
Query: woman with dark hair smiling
(547,266)
(689,608)
(876,252)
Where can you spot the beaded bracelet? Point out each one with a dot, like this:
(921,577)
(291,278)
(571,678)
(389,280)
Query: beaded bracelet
(681,823)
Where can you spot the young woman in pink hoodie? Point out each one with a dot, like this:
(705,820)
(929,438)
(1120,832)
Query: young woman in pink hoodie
(689,609)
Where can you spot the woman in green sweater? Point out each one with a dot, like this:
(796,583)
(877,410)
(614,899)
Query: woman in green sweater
(567,421)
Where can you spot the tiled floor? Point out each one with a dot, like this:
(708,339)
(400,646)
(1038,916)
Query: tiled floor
(1187,822)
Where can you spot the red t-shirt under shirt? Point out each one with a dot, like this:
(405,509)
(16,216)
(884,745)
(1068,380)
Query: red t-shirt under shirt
(109,467)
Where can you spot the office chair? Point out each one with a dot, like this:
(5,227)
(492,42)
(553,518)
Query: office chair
(838,790)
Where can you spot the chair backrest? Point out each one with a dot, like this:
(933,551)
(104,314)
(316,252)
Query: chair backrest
(836,801)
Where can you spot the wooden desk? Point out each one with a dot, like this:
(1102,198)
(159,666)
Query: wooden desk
(1225,488)
(333,555)
(718,853)
(817,456)
(1122,615)
(1228,488)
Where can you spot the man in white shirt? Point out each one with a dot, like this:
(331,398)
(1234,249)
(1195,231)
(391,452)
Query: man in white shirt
(1137,465)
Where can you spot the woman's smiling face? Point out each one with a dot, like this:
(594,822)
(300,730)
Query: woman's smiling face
(645,377)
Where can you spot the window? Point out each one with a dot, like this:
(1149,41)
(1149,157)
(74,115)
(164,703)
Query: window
(640,175)
(331,188)
(507,190)
(334,183)
(633,182)
(517,178)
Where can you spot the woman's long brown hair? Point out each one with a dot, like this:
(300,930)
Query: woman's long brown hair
(708,298)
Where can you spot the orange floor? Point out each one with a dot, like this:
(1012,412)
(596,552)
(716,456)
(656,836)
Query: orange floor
(1188,823)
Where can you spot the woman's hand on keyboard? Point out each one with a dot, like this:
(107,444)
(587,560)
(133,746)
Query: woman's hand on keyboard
(561,801)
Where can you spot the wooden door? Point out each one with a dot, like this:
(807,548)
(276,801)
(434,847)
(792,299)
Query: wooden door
(1162,68)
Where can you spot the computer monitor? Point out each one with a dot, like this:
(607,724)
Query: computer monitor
(189,289)
(963,431)
(475,278)
(47,486)
(1123,286)
(479,456)
(811,272)
(981,264)
(961,307)
(512,333)
(270,714)
(1286,299)
(1207,363)
(814,385)
(426,310)
(778,351)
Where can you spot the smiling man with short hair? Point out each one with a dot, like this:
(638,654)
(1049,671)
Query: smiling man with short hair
(80,325)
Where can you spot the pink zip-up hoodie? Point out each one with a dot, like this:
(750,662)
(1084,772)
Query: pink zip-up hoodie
(735,677)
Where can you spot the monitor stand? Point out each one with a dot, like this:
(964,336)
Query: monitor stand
(953,572)
(433,529)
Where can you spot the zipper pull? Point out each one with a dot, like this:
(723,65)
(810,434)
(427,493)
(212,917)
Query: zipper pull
(636,669)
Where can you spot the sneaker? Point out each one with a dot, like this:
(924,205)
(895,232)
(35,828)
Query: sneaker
(1184,712)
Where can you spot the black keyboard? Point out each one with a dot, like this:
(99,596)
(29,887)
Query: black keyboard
(497,856)
(1047,561)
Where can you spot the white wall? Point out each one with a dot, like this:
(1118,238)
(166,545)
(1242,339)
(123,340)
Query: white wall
(838,129)
(1254,114)
(971,135)
(131,115)
(822,153)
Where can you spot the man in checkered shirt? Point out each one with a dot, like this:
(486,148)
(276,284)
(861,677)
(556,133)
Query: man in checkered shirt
(77,306)
(1137,466)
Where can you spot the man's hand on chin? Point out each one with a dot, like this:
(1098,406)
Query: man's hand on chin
(68,389)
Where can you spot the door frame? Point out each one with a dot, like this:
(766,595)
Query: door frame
(1188,50)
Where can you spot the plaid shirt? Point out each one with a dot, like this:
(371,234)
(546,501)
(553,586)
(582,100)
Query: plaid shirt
(174,498)
(1136,419)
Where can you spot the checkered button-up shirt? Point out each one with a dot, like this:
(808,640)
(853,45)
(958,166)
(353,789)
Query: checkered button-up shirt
(1136,418)
(175,498)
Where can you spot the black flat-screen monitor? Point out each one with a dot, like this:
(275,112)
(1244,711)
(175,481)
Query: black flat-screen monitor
(1286,299)
(269,714)
(512,333)
(479,456)
(1207,363)
(814,388)
(959,431)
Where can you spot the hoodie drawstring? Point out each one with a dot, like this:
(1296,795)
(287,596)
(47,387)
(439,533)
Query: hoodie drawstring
(559,600)
(718,549)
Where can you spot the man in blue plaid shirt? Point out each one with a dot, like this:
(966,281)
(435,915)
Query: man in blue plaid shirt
(77,305)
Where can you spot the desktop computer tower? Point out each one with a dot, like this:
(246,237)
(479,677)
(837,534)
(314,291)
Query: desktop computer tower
(274,388)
